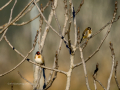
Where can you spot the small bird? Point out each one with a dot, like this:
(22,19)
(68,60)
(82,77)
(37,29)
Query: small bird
(40,60)
(86,34)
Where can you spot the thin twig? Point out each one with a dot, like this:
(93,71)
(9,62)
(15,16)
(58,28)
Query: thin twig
(30,60)
(40,27)
(16,17)
(23,58)
(27,11)
(25,78)
(84,67)
(115,77)
(9,20)
(42,44)
(46,20)
(108,31)
(6,5)
(60,71)
(55,74)
(95,85)
(113,58)
(56,18)
(24,23)
(82,2)
(47,26)
(60,44)
(99,83)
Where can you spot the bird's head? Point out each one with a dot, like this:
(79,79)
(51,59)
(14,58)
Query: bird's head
(89,28)
(38,53)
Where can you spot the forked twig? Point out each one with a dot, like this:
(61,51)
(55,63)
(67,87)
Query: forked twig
(9,20)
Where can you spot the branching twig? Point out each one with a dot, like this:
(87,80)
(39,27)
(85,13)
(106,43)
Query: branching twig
(24,23)
(23,58)
(99,83)
(108,31)
(55,74)
(96,49)
(16,17)
(9,20)
(60,44)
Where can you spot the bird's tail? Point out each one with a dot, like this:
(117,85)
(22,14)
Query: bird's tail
(44,86)
(81,39)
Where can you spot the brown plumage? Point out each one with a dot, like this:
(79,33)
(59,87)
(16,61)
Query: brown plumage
(86,33)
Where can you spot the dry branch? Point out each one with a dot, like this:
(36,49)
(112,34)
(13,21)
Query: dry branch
(24,78)
(115,77)
(5,5)
(23,58)
(113,58)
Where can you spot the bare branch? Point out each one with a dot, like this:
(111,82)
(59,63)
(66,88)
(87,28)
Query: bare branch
(115,77)
(24,23)
(9,20)
(99,83)
(55,74)
(16,17)
(95,85)
(25,78)
(56,18)
(82,2)
(108,31)
(60,44)
(84,67)
(23,58)
(6,5)
(113,58)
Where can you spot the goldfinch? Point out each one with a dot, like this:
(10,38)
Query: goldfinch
(86,34)
(39,59)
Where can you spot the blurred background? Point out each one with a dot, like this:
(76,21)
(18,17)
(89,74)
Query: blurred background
(94,13)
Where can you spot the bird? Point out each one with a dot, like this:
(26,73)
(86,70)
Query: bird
(40,60)
(87,33)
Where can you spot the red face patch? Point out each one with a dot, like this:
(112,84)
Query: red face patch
(38,53)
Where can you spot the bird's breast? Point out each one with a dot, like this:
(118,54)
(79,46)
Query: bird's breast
(38,59)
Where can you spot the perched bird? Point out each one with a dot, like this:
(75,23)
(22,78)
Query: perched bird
(40,60)
(86,34)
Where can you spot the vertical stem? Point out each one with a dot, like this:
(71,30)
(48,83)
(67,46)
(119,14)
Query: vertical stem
(84,67)
(70,72)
